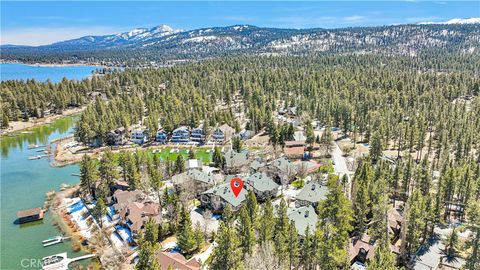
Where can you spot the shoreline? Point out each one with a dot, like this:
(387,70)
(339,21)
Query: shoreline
(57,64)
(17,126)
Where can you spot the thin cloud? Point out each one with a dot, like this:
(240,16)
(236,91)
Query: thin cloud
(354,18)
(42,36)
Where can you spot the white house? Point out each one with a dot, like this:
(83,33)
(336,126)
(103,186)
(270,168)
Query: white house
(139,135)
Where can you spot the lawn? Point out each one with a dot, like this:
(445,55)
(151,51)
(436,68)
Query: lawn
(200,153)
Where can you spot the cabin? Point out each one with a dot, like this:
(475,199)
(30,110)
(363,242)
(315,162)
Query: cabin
(246,134)
(235,161)
(304,217)
(262,185)
(181,135)
(116,136)
(161,136)
(194,180)
(139,135)
(134,215)
(311,194)
(223,133)
(361,249)
(168,260)
(198,135)
(219,196)
(29,215)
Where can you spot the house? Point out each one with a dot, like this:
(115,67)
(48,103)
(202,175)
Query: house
(194,179)
(234,161)
(29,215)
(262,185)
(246,134)
(95,94)
(121,198)
(135,214)
(219,196)
(432,255)
(198,135)
(119,185)
(161,136)
(294,152)
(282,170)
(139,135)
(176,261)
(312,193)
(395,220)
(194,163)
(181,134)
(292,111)
(300,143)
(304,217)
(361,249)
(223,133)
(116,136)
(256,165)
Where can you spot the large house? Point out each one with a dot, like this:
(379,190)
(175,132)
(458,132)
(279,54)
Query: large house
(181,134)
(311,194)
(304,217)
(116,136)
(223,133)
(198,135)
(282,170)
(262,185)
(139,135)
(194,178)
(176,261)
(135,214)
(219,196)
(234,161)
(361,249)
(161,136)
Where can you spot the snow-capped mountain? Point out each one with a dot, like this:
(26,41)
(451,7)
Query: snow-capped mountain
(456,21)
(162,42)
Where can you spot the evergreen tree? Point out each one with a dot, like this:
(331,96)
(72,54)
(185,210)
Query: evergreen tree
(108,169)
(293,246)
(266,227)
(227,254)
(146,256)
(186,234)
(245,232)
(88,173)
(151,231)
(376,146)
(217,157)
(100,210)
(179,164)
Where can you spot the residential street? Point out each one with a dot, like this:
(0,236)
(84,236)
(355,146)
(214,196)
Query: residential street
(340,166)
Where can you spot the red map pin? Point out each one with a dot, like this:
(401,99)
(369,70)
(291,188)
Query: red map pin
(236,184)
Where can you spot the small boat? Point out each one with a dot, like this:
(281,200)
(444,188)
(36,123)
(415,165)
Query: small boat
(33,146)
(40,150)
(53,241)
(34,157)
(75,174)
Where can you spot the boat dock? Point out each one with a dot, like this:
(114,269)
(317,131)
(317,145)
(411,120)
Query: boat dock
(61,261)
(28,215)
(55,240)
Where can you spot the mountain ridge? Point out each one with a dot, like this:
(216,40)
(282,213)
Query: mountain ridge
(162,42)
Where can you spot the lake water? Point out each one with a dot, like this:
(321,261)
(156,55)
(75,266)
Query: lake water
(24,184)
(43,73)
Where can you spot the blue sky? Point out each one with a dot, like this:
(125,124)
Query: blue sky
(36,23)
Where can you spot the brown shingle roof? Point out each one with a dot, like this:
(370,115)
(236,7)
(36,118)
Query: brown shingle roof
(177,261)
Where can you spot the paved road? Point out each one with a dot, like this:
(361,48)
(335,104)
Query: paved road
(340,166)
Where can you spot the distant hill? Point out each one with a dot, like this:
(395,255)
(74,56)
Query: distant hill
(165,43)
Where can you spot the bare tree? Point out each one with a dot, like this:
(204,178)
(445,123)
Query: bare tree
(263,259)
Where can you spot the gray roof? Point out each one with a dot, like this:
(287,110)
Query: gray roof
(224,191)
(428,256)
(303,217)
(313,192)
(182,128)
(194,174)
(299,136)
(256,165)
(235,159)
(284,165)
(262,182)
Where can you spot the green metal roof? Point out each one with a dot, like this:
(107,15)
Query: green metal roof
(313,192)
(262,182)
(303,217)
(225,192)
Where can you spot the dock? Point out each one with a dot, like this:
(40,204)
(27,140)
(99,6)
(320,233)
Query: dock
(61,261)
(55,240)
(28,215)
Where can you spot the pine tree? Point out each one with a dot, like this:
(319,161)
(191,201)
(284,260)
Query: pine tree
(146,255)
(100,210)
(186,235)
(252,208)
(108,169)
(179,164)
(293,246)
(227,254)
(88,173)
(281,231)
(266,227)
(245,232)
(151,231)
(217,157)
(376,146)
